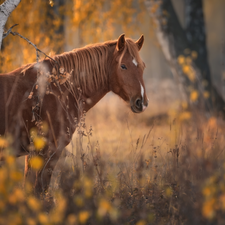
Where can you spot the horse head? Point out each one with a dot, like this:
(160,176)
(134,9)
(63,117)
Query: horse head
(126,79)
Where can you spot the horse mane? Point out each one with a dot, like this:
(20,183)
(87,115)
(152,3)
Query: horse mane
(89,65)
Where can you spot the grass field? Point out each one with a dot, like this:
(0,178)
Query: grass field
(159,167)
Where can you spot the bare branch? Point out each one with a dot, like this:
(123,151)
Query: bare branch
(37,49)
(9,31)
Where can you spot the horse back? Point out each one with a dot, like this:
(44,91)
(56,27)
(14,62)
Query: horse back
(14,87)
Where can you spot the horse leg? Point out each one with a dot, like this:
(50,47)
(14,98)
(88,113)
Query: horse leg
(43,177)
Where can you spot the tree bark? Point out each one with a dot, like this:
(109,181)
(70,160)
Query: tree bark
(186,52)
(6,9)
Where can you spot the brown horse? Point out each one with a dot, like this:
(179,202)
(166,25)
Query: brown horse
(61,89)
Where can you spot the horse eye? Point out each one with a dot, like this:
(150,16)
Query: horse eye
(123,67)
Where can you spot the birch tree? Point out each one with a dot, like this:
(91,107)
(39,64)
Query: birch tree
(6,9)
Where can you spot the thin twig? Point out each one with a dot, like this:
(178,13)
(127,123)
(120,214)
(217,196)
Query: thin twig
(37,49)
(9,31)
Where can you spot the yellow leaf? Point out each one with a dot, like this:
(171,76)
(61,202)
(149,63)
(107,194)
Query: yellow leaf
(186,69)
(61,205)
(19,195)
(169,192)
(83,216)
(191,75)
(43,218)
(3,143)
(12,200)
(206,192)
(104,207)
(194,96)
(141,222)
(181,59)
(39,142)
(212,123)
(105,204)
(34,203)
(51,2)
(185,116)
(208,208)
(87,183)
(16,175)
(10,160)
(36,162)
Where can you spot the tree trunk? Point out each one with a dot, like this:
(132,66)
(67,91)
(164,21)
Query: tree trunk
(5,10)
(186,53)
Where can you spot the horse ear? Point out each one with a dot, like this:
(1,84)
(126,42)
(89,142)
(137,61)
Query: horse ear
(140,42)
(121,42)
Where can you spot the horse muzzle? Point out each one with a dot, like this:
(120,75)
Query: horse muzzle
(138,106)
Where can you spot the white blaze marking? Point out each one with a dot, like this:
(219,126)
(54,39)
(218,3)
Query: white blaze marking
(134,62)
(142,90)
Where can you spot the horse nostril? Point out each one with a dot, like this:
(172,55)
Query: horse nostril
(138,103)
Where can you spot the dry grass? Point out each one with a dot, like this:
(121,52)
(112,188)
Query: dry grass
(128,169)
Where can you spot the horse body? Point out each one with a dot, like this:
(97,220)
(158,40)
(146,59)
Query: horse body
(94,71)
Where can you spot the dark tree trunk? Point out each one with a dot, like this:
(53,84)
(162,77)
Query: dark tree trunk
(176,41)
(56,12)
(196,37)
(59,7)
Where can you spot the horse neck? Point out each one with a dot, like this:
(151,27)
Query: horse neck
(90,98)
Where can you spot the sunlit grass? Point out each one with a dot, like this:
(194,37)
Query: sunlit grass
(162,167)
